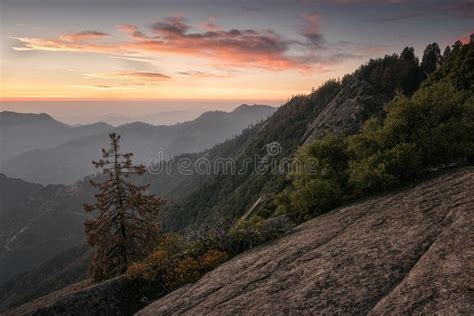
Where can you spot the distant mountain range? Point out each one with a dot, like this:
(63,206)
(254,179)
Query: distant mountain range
(159,118)
(21,132)
(37,148)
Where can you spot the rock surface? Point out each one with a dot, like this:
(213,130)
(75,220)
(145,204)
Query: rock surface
(347,111)
(408,252)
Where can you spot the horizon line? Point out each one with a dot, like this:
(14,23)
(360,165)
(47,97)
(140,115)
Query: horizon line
(61,99)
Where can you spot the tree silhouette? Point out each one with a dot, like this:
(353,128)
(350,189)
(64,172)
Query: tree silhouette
(431,58)
(447,53)
(456,47)
(125,229)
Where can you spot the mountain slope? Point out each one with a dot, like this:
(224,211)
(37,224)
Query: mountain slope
(70,162)
(70,266)
(43,224)
(404,252)
(12,191)
(21,132)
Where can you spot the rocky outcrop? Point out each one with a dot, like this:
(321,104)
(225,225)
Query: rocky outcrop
(347,111)
(402,253)
(118,296)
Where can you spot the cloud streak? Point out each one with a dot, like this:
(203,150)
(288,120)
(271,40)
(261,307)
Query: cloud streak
(131,75)
(202,74)
(82,36)
(102,87)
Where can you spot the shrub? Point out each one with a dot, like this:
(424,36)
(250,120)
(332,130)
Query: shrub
(313,193)
(171,265)
(180,260)
(316,197)
(246,234)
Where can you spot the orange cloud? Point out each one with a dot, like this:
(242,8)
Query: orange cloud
(171,36)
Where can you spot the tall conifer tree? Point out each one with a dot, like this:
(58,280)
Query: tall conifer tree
(125,229)
(431,58)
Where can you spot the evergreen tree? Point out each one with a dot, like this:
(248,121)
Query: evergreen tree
(125,229)
(431,58)
(447,53)
(456,47)
(408,54)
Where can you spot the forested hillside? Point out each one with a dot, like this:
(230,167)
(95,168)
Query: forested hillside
(338,106)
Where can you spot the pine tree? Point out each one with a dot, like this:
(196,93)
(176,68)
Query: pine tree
(456,47)
(447,53)
(431,58)
(125,229)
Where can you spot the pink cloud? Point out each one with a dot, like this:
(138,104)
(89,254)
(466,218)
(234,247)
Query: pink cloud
(210,24)
(312,29)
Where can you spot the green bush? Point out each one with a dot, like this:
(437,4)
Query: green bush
(315,191)
(433,129)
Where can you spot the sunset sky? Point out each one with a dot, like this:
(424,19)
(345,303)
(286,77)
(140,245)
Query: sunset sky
(180,54)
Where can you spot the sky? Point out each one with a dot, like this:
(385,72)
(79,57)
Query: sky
(80,57)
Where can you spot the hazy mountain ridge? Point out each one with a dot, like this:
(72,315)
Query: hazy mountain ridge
(70,161)
(22,132)
(159,118)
